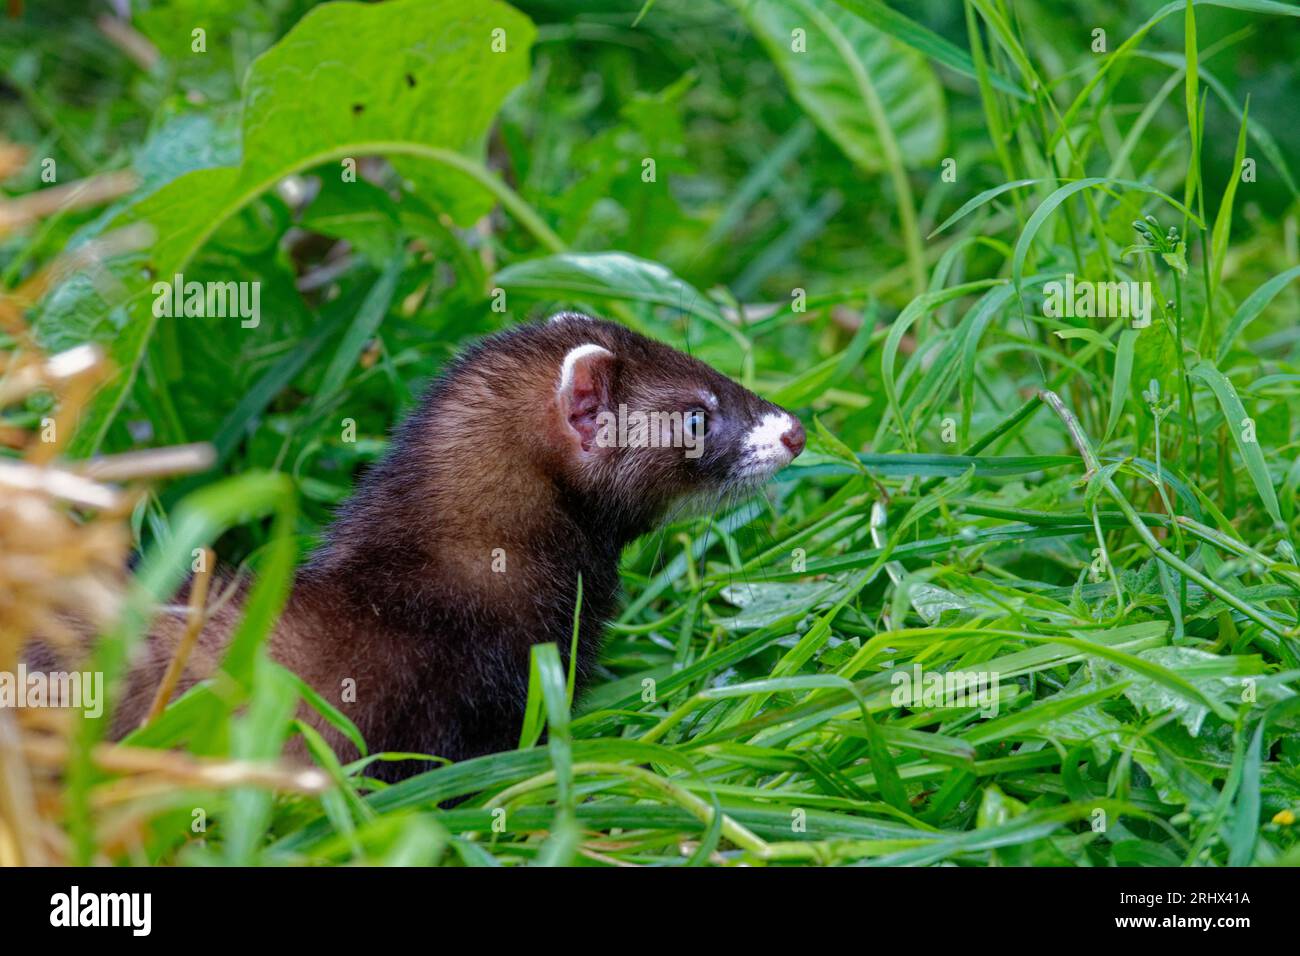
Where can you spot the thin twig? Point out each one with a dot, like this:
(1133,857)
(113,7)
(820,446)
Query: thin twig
(129,40)
(180,768)
(193,627)
(57,483)
(150,463)
(80,194)
(1053,401)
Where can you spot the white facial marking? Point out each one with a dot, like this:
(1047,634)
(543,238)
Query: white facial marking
(576,355)
(763,451)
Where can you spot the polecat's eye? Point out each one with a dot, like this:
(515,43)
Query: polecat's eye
(695,423)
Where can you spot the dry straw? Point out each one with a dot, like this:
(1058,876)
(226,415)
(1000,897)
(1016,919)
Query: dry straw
(64,540)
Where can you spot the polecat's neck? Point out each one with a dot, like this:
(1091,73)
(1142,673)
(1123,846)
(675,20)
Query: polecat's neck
(455,515)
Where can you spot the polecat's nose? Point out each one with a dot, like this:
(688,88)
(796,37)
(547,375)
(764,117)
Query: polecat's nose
(793,438)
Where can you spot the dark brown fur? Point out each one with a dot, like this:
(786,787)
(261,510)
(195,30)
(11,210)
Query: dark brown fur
(402,597)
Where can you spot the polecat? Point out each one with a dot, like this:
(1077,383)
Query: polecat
(462,547)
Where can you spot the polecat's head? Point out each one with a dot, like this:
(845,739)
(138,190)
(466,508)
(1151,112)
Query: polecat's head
(645,426)
(576,413)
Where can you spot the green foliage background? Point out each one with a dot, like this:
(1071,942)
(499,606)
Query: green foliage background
(801,235)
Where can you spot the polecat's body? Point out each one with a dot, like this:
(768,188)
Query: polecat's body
(462,548)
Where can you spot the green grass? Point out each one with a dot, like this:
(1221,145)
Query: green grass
(1099,518)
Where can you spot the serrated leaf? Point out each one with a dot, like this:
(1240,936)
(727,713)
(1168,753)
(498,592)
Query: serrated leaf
(1217,678)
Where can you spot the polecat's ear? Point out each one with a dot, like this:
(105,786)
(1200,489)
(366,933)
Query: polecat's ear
(585,389)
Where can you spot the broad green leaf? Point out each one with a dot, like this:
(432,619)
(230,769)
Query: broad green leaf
(763,603)
(359,212)
(868,92)
(924,40)
(1149,665)
(605,276)
(1218,678)
(414,80)
(257,736)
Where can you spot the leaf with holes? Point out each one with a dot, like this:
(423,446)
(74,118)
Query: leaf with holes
(416,81)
